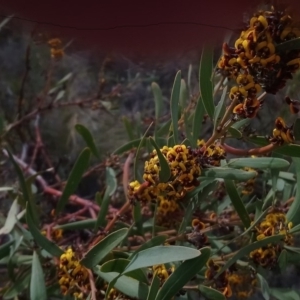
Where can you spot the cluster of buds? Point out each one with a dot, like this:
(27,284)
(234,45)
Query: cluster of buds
(56,234)
(196,237)
(185,170)
(242,283)
(211,155)
(275,223)
(282,133)
(221,283)
(185,165)
(73,278)
(255,64)
(56,49)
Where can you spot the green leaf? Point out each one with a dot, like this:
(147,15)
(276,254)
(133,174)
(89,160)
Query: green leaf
(160,255)
(241,123)
(205,82)
(237,202)
(197,121)
(283,260)
(17,287)
(128,146)
(40,239)
(174,106)
(264,287)
(235,133)
(119,265)
(288,150)
(284,294)
(127,285)
(210,293)
(11,219)
(158,100)
(220,109)
(288,45)
(138,218)
(296,129)
(101,218)
(183,274)
(88,138)
(83,224)
(137,154)
(164,172)
(247,249)
(24,187)
(37,282)
(155,241)
(5,249)
(100,250)
(259,163)
(228,173)
(129,128)
(183,95)
(154,288)
(77,171)
(293,215)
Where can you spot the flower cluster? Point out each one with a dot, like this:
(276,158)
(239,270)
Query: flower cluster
(274,223)
(185,169)
(56,49)
(73,277)
(254,62)
(211,155)
(282,133)
(242,283)
(114,294)
(221,283)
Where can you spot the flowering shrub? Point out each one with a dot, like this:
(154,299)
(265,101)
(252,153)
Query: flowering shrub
(179,217)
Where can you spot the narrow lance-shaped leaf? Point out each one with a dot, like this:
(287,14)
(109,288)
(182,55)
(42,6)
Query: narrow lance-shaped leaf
(129,128)
(79,168)
(100,250)
(160,255)
(164,172)
(220,108)
(137,154)
(88,138)
(197,121)
(111,185)
(205,82)
(154,287)
(210,293)
(175,106)
(37,282)
(293,215)
(259,163)
(24,187)
(237,202)
(158,100)
(289,45)
(185,272)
